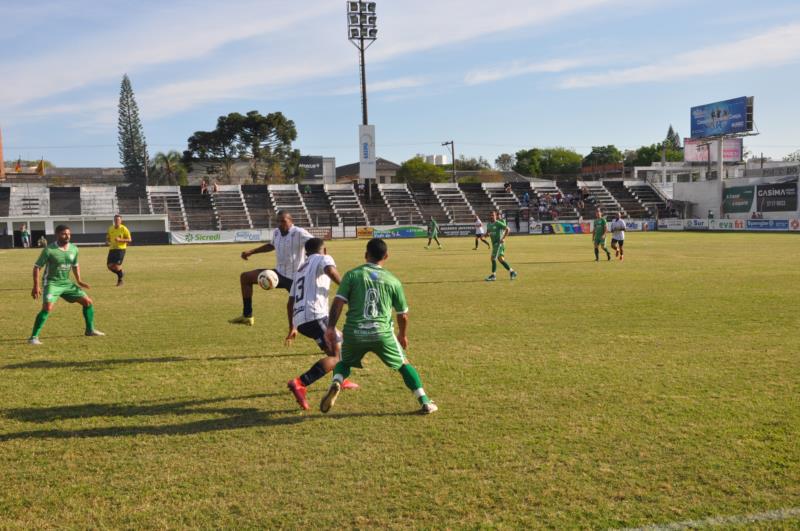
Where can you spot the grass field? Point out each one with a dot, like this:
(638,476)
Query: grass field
(582,395)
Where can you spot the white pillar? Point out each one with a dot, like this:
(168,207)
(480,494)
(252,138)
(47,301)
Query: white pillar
(720,162)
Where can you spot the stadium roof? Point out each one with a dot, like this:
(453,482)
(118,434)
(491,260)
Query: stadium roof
(353,169)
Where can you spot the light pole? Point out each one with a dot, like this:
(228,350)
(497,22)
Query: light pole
(362,31)
(453,154)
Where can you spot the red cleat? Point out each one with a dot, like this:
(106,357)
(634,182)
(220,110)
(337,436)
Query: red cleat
(299,391)
(347,384)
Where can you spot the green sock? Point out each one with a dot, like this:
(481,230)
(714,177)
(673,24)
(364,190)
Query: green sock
(88,316)
(413,382)
(494,266)
(41,317)
(340,372)
(506,265)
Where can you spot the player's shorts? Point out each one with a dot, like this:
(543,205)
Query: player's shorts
(498,251)
(614,241)
(388,349)
(283,282)
(115,256)
(479,233)
(600,241)
(69,291)
(316,330)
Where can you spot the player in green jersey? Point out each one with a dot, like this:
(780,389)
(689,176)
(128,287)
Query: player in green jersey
(498,231)
(599,235)
(433,233)
(58,259)
(371,293)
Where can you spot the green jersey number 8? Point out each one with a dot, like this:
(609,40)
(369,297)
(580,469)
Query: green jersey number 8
(371,299)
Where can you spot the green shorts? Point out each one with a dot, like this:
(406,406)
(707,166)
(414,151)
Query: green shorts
(388,349)
(498,251)
(69,291)
(600,241)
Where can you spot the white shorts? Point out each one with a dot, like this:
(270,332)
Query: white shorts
(479,233)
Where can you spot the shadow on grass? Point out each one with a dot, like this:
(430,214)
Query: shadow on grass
(233,418)
(463,281)
(556,262)
(25,340)
(99,365)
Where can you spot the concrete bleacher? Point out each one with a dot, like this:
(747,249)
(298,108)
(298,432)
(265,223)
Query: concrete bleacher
(230,208)
(346,204)
(401,204)
(454,202)
(5,197)
(198,208)
(632,207)
(375,206)
(478,199)
(259,205)
(98,200)
(603,199)
(428,203)
(318,205)
(542,189)
(650,199)
(29,200)
(131,201)
(503,200)
(65,200)
(287,197)
(167,200)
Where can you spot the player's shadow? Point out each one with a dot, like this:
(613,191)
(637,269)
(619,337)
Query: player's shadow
(225,418)
(451,281)
(552,262)
(91,365)
(25,340)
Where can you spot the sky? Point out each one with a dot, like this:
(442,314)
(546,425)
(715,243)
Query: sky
(494,77)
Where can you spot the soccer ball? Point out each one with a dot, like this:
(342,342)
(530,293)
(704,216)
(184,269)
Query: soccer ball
(268,279)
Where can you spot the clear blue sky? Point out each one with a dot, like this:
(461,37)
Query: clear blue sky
(493,76)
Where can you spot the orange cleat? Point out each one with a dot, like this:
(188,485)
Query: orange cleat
(299,391)
(347,384)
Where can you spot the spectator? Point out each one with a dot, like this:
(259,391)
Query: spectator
(203,187)
(361,188)
(542,210)
(507,188)
(516,219)
(26,236)
(526,199)
(306,190)
(42,242)
(215,187)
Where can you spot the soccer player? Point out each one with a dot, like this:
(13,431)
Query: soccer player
(599,235)
(498,231)
(618,236)
(307,310)
(117,238)
(371,293)
(58,259)
(480,233)
(433,233)
(288,242)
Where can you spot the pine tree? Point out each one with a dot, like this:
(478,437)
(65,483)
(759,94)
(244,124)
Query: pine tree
(673,139)
(132,145)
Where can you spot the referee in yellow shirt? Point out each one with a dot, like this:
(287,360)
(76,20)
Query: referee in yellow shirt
(118,237)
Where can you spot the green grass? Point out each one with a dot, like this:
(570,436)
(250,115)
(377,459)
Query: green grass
(661,389)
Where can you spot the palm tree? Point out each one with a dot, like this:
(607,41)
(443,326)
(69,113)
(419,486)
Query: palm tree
(168,169)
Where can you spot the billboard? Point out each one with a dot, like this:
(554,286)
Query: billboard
(366,152)
(693,151)
(722,117)
(737,199)
(777,197)
(312,166)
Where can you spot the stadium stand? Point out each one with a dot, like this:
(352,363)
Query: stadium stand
(167,200)
(287,197)
(198,208)
(504,200)
(377,210)
(130,201)
(29,200)
(545,189)
(401,204)
(65,201)
(650,199)
(455,204)
(5,200)
(571,187)
(631,206)
(318,205)
(603,199)
(428,203)
(98,200)
(230,208)
(259,205)
(346,205)
(478,199)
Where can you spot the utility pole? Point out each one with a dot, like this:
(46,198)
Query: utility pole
(453,154)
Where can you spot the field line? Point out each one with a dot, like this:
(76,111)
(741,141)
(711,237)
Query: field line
(744,519)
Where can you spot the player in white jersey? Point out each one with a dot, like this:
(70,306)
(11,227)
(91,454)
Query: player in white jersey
(480,232)
(307,310)
(618,236)
(288,243)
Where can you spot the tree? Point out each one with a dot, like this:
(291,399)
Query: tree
(131,143)
(647,155)
(472,164)
(673,139)
(504,162)
(794,156)
(536,162)
(265,142)
(168,169)
(416,170)
(528,162)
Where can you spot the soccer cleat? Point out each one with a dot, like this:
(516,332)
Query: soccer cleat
(120,282)
(33,340)
(330,397)
(95,332)
(513,275)
(616,252)
(347,384)
(247,321)
(491,278)
(429,408)
(621,257)
(299,391)
(608,255)
(475,248)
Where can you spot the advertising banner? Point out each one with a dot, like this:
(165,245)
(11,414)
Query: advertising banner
(696,224)
(326,233)
(311,166)
(670,224)
(794,224)
(365,233)
(768,224)
(566,228)
(457,229)
(737,199)
(720,118)
(639,225)
(732,150)
(219,236)
(366,147)
(400,232)
(777,197)
(534,227)
(727,224)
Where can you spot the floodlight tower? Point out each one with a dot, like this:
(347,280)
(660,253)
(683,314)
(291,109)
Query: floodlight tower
(362,31)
